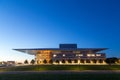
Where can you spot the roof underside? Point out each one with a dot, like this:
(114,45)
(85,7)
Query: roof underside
(33,51)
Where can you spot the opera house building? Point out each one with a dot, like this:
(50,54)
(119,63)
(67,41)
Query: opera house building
(67,54)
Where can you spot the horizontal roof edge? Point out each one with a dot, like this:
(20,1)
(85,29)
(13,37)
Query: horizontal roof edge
(61,49)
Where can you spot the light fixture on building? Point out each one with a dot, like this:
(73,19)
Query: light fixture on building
(54,55)
(98,54)
(63,55)
(79,54)
(90,55)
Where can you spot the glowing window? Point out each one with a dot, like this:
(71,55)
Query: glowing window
(79,54)
(54,55)
(76,54)
(63,55)
(98,54)
(90,55)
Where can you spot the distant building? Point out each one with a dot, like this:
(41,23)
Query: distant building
(67,54)
(10,62)
(7,63)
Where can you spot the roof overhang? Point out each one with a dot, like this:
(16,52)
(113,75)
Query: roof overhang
(33,51)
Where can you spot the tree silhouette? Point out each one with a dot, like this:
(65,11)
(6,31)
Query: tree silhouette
(57,61)
(100,61)
(94,61)
(111,60)
(44,61)
(32,61)
(69,61)
(26,62)
(87,61)
(75,61)
(0,62)
(50,61)
(63,61)
(82,60)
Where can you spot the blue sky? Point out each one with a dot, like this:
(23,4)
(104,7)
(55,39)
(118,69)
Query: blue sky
(46,23)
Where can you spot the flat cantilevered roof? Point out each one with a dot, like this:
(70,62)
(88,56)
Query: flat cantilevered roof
(33,51)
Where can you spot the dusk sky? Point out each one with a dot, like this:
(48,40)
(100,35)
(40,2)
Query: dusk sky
(47,23)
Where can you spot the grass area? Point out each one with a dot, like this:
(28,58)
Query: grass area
(58,76)
(61,67)
(53,76)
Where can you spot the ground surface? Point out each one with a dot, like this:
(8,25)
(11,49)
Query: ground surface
(60,67)
(61,75)
(61,72)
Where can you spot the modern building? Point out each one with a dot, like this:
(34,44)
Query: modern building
(67,54)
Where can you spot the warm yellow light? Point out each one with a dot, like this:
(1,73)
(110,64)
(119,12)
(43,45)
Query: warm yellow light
(98,54)
(90,55)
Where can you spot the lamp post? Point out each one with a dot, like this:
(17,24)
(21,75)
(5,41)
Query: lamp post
(79,63)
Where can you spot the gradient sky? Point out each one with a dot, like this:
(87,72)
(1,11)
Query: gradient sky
(46,23)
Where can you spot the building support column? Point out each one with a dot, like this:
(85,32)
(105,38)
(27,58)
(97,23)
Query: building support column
(91,62)
(66,62)
(78,61)
(72,61)
(97,61)
(104,62)
(84,61)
